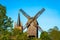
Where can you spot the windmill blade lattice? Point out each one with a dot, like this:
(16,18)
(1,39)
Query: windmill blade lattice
(24,13)
(39,13)
(36,16)
(40,29)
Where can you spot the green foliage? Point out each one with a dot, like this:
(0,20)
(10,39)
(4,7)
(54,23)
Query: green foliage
(32,38)
(5,21)
(54,33)
(44,36)
(5,24)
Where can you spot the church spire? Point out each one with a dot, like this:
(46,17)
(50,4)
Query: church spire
(18,21)
(19,25)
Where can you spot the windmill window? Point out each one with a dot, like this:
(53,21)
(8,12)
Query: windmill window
(32,36)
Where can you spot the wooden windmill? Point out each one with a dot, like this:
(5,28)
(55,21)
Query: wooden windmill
(19,25)
(32,24)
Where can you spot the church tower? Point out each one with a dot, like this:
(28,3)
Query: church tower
(19,25)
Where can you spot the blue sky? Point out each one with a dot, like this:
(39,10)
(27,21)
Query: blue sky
(49,18)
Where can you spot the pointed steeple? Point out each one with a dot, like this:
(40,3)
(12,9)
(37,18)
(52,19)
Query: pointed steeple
(19,25)
(18,21)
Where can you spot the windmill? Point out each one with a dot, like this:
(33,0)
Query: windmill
(32,24)
(19,25)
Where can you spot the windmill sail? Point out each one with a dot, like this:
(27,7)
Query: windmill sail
(26,15)
(39,13)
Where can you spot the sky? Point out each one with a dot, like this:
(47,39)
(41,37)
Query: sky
(49,18)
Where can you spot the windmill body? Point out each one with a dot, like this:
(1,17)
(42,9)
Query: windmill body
(32,30)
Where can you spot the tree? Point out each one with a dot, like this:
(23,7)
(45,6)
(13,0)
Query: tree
(16,34)
(5,21)
(5,24)
(44,36)
(54,33)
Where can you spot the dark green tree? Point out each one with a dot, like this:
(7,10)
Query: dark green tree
(54,33)
(5,21)
(5,24)
(44,36)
